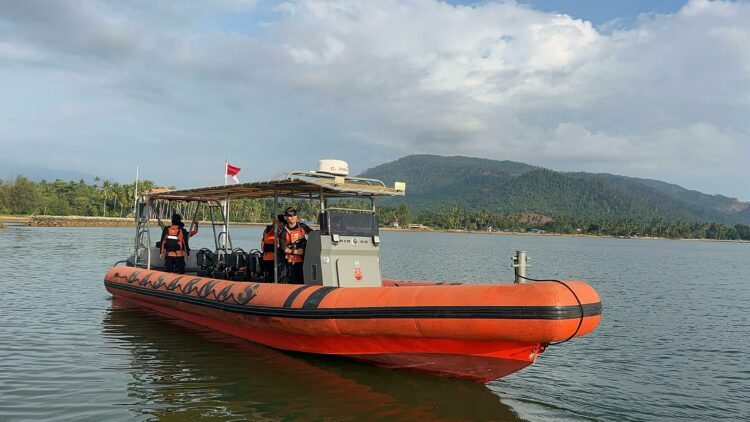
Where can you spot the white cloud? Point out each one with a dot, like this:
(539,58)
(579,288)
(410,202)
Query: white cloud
(382,79)
(572,142)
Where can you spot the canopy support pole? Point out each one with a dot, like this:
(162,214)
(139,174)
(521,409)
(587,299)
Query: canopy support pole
(277,233)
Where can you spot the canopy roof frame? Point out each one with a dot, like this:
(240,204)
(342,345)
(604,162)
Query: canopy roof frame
(294,184)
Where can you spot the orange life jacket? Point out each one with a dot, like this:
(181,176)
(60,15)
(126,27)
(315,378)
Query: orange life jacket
(292,236)
(174,242)
(266,245)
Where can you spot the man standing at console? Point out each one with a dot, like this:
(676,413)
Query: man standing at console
(294,243)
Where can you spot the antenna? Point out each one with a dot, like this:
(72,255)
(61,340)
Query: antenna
(135,191)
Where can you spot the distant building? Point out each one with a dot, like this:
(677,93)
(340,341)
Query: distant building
(417,227)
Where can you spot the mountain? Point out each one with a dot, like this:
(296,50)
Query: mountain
(716,202)
(505,186)
(10,169)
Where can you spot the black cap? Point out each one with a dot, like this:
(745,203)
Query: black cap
(176,218)
(290,209)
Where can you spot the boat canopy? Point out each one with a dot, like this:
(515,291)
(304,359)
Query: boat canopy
(294,184)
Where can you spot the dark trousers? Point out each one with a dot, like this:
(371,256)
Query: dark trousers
(174,264)
(267,267)
(295,273)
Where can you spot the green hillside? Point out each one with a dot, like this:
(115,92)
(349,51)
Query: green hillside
(510,187)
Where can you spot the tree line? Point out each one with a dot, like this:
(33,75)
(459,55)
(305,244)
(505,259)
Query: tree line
(105,198)
(455,217)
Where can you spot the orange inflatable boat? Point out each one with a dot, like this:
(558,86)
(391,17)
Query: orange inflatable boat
(478,332)
(474,331)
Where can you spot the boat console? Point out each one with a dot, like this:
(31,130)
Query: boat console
(345,252)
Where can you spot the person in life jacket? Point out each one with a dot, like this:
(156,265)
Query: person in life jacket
(175,245)
(293,242)
(267,246)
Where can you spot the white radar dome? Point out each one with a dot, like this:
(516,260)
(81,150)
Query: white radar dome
(334,167)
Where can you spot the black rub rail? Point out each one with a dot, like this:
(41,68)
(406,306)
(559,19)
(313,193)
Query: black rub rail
(419,312)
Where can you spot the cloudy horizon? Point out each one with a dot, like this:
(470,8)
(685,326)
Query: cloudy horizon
(176,88)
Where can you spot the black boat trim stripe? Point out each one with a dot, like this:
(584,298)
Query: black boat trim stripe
(317,296)
(290,299)
(418,312)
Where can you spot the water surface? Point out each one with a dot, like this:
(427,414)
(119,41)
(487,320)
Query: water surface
(672,343)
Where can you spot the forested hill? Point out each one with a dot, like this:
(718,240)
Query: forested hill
(474,184)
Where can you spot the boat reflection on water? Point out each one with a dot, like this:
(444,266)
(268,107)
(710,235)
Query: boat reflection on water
(178,374)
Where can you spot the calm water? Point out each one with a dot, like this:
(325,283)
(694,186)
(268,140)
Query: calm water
(673,343)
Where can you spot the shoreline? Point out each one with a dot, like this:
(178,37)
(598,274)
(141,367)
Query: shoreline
(82,221)
(592,236)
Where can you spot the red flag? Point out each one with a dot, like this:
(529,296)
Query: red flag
(232,171)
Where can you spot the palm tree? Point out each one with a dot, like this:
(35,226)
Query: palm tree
(105,194)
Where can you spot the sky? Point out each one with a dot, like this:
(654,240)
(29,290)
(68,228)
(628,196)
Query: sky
(652,89)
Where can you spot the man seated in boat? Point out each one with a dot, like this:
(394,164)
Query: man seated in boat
(266,245)
(175,244)
(293,242)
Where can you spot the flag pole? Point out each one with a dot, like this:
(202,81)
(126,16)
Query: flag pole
(226,204)
(135,192)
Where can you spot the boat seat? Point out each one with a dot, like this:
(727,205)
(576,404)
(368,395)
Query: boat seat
(205,261)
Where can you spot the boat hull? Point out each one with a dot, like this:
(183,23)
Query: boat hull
(458,331)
